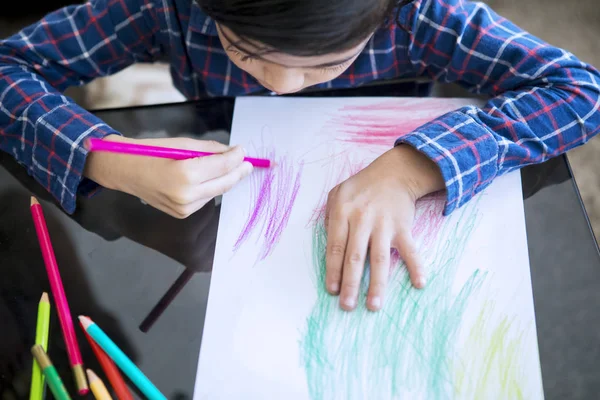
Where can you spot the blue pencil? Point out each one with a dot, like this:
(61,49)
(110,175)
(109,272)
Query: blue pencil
(120,359)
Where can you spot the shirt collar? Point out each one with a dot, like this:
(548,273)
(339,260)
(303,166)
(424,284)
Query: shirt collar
(202,23)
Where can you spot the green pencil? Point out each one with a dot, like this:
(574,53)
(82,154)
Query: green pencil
(41,338)
(54,382)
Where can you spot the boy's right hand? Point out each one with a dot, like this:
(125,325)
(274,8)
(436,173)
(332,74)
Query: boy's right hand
(177,187)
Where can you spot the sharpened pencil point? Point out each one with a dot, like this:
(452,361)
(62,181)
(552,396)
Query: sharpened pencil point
(85,321)
(92,377)
(44,298)
(34,201)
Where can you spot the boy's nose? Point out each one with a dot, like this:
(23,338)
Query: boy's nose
(283,80)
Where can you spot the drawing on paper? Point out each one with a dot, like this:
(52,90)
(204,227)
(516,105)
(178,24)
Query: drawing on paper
(470,333)
(412,343)
(411,340)
(273,192)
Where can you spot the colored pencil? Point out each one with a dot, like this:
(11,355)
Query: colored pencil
(58,292)
(94,144)
(41,338)
(110,370)
(52,378)
(122,361)
(98,388)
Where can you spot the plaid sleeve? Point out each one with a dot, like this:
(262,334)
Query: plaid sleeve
(543,100)
(43,129)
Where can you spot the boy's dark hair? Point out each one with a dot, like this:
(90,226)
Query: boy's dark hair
(302,27)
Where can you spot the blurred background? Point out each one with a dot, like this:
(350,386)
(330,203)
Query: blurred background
(571,25)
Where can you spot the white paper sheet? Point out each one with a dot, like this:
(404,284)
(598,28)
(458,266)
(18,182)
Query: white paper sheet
(271,330)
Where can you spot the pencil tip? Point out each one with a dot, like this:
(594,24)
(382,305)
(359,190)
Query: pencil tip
(34,201)
(91,375)
(85,321)
(45,298)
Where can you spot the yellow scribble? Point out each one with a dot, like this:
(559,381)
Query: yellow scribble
(491,367)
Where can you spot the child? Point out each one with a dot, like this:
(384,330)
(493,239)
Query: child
(543,102)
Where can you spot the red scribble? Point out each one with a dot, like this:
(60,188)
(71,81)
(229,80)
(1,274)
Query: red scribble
(384,122)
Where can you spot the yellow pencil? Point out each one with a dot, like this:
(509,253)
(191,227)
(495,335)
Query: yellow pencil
(98,388)
(38,380)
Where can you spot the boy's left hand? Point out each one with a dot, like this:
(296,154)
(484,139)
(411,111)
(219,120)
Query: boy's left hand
(374,210)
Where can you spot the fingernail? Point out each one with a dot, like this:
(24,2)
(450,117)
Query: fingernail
(349,302)
(421,281)
(376,302)
(334,287)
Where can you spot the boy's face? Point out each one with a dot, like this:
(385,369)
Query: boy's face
(283,73)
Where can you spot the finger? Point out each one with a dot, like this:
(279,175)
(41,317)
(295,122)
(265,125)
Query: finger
(354,262)
(184,211)
(188,198)
(205,168)
(165,207)
(331,199)
(380,266)
(407,248)
(210,146)
(222,184)
(337,237)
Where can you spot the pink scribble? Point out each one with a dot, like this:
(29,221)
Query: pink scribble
(427,224)
(384,122)
(428,219)
(274,191)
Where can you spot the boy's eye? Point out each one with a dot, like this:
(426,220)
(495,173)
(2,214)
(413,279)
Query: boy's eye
(247,58)
(335,68)
(243,57)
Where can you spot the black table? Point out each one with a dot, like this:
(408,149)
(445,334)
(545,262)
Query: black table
(144,276)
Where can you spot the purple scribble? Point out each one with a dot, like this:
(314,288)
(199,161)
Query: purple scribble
(274,191)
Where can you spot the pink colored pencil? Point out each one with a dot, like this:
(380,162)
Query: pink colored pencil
(58,292)
(94,144)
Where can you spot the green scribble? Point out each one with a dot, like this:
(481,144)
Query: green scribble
(496,371)
(405,348)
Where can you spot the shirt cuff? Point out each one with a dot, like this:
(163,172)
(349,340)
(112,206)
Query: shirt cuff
(465,151)
(64,160)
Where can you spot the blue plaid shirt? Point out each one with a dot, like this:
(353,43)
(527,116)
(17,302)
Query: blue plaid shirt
(543,100)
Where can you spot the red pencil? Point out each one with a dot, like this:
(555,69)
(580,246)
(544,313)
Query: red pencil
(58,292)
(110,369)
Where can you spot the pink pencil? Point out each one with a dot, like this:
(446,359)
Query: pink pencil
(94,144)
(58,292)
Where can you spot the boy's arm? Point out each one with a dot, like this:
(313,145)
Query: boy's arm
(40,127)
(545,101)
